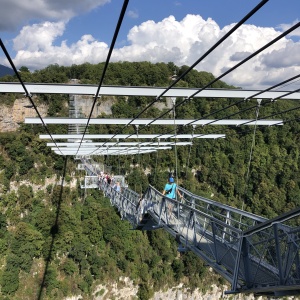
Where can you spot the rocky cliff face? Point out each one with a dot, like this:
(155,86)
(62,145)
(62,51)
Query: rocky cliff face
(103,105)
(12,117)
(125,289)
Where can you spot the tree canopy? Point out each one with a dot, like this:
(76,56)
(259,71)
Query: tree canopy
(56,241)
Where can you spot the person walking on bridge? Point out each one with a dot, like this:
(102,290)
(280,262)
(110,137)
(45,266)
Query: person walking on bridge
(171,189)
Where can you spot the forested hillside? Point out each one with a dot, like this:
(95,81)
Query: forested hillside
(57,241)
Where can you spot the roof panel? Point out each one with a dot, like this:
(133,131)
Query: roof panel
(110,148)
(109,144)
(106,152)
(36,88)
(133,136)
(114,121)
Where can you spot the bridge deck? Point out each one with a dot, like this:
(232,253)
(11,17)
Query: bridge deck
(253,253)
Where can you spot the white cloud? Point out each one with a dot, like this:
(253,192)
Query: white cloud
(286,57)
(285,27)
(42,10)
(38,37)
(169,34)
(181,42)
(184,42)
(133,14)
(35,47)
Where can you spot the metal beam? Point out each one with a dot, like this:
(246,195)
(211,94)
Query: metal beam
(116,148)
(132,136)
(114,121)
(109,144)
(40,88)
(104,152)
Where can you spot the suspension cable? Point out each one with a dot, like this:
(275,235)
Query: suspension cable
(119,157)
(137,135)
(27,94)
(156,160)
(107,157)
(250,156)
(139,156)
(175,134)
(232,69)
(240,101)
(276,86)
(188,160)
(213,81)
(120,20)
(291,82)
(232,30)
(288,121)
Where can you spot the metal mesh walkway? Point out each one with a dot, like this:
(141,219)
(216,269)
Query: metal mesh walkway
(254,254)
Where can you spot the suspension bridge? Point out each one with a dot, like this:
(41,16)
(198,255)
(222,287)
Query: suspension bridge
(254,254)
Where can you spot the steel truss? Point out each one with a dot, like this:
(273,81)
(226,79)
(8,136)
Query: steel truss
(254,254)
(84,89)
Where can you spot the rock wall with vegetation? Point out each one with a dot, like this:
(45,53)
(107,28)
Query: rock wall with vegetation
(57,241)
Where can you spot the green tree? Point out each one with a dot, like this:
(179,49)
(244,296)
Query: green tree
(3,224)
(69,267)
(25,197)
(26,163)
(10,280)
(27,243)
(145,292)
(50,281)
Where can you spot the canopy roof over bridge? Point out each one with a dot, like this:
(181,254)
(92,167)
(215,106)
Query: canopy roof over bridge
(184,122)
(79,144)
(82,89)
(79,140)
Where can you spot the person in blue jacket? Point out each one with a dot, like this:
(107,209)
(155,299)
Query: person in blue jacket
(170,192)
(171,189)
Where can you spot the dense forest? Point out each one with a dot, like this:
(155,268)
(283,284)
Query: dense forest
(57,240)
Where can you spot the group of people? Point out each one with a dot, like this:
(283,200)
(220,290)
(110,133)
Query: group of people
(170,191)
(110,180)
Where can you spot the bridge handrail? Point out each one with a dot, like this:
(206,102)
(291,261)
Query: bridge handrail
(240,218)
(279,219)
(198,200)
(224,206)
(254,254)
(178,203)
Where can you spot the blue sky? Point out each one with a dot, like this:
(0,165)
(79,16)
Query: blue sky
(42,32)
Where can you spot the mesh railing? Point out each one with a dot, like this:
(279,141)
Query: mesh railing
(274,250)
(251,252)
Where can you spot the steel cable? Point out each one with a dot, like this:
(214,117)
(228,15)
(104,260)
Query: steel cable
(242,21)
(120,20)
(27,94)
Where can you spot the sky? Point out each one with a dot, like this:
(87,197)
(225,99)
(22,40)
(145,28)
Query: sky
(38,33)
